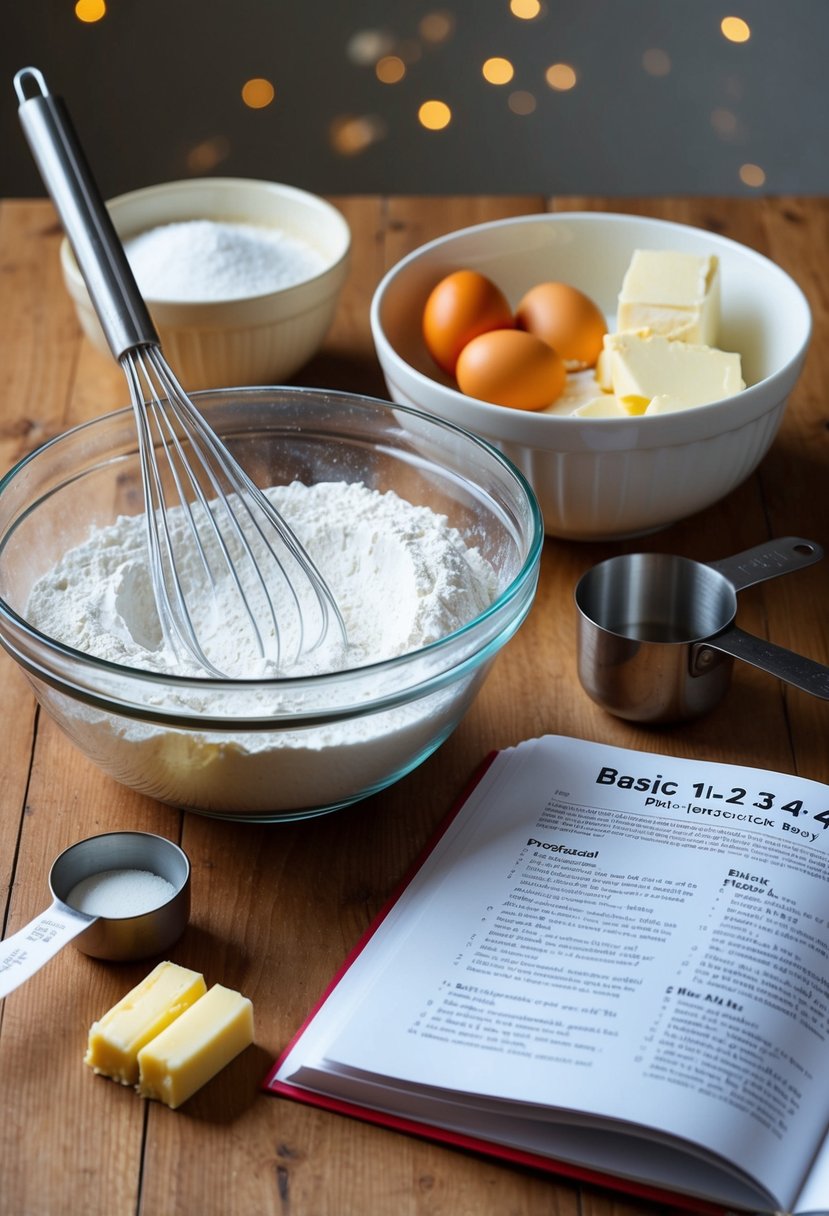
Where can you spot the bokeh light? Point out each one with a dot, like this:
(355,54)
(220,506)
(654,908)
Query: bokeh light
(724,122)
(437,26)
(409,50)
(521,102)
(497,70)
(434,115)
(390,69)
(351,134)
(735,29)
(90,11)
(752,175)
(526,10)
(367,46)
(208,154)
(560,76)
(257,93)
(656,62)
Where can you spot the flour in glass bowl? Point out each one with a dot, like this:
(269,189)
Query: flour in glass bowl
(402,578)
(400,575)
(205,260)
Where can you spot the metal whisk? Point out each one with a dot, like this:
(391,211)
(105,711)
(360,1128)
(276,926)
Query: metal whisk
(208,525)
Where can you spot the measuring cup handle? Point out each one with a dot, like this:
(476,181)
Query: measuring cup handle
(25,952)
(795,669)
(767,561)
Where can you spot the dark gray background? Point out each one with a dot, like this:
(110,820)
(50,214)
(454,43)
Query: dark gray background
(157,78)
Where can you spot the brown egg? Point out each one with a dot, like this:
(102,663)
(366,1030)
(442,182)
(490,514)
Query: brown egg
(512,368)
(461,306)
(567,319)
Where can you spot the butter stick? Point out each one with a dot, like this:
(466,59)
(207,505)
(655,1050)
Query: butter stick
(644,367)
(676,295)
(196,1046)
(116,1039)
(605,406)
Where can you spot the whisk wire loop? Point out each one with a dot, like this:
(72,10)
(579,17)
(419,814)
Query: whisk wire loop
(258,507)
(174,616)
(248,542)
(207,448)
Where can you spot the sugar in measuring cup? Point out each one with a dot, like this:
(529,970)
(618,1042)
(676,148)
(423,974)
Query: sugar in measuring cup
(656,633)
(117,896)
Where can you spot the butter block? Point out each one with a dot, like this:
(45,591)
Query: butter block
(603,379)
(676,295)
(195,1046)
(604,406)
(663,403)
(116,1039)
(604,367)
(644,367)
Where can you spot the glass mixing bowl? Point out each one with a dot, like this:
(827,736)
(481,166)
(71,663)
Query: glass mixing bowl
(275,749)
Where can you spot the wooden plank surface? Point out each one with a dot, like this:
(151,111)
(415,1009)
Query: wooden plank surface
(276,908)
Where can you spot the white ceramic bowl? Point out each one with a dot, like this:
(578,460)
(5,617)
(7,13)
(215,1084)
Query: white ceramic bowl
(281,748)
(601,478)
(257,339)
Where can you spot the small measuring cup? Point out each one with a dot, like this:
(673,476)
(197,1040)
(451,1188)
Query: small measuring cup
(113,937)
(656,633)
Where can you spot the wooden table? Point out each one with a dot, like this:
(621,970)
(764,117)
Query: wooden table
(276,908)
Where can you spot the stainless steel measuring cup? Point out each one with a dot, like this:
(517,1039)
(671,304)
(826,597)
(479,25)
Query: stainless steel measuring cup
(115,937)
(656,633)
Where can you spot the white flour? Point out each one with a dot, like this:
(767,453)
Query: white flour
(400,575)
(207,260)
(402,578)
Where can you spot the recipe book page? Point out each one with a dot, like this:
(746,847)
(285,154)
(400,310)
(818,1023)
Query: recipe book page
(617,935)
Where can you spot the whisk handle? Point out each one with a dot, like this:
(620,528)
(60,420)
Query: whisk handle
(86,221)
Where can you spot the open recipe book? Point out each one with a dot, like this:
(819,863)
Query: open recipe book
(611,964)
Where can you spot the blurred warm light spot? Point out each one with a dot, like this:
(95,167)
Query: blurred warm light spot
(752,175)
(90,11)
(207,155)
(434,115)
(390,69)
(498,71)
(409,50)
(351,134)
(735,29)
(521,102)
(367,46)
(257,93)
(436,27)
(525,9)
(724,121)
(560,76)
(656,62)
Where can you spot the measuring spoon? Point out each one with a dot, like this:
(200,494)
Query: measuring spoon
(114,937)
(656,633)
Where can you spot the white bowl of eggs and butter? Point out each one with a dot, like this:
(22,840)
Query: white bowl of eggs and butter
(678,351)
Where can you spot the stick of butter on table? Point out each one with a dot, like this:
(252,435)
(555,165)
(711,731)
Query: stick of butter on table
(116,1039)
(673,294)
(196,1046)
